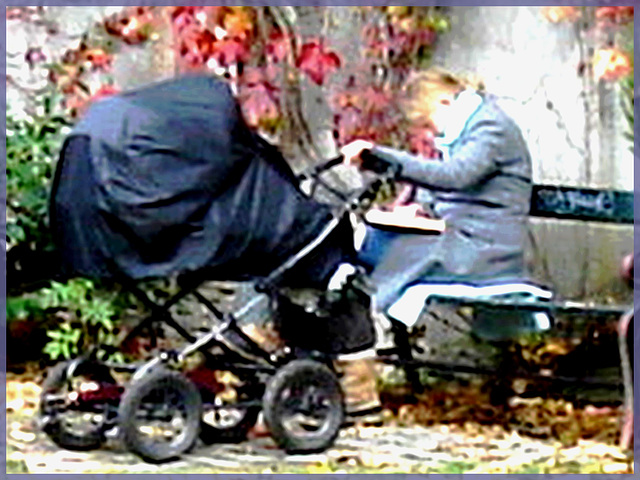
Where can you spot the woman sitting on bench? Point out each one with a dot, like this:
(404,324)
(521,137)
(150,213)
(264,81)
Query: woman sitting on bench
(481,188)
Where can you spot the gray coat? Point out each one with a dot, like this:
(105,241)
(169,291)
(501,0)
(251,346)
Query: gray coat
(482,191)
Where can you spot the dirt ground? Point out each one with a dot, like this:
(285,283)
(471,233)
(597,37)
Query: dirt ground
(412,440)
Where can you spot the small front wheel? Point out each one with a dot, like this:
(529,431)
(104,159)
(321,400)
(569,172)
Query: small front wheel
(159,415)
(303,407)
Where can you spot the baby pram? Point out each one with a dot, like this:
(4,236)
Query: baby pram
(168,180)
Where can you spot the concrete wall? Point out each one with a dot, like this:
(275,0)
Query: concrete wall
(61,28)
(573,125)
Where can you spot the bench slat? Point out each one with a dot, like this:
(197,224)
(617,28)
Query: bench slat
(557,306)
(582,204)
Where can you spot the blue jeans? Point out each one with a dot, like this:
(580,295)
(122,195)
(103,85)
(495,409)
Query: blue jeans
(375,246)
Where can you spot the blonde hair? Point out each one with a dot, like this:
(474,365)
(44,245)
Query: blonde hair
(421,91)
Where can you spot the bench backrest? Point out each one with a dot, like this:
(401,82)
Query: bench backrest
(586,204)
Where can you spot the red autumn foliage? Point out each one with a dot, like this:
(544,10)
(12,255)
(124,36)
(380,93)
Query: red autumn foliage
(348,125)
(259,99)
(611,64)
(99,59)
(133,25)
(195,27)
(560,14)
(421,141)
(33,56)
(616,15)
(395,42)
(182,18)
(365,111)
(238,23)
(316,61)
(277,46)
(228,52)
(104,91)
(22,13)
(219,36)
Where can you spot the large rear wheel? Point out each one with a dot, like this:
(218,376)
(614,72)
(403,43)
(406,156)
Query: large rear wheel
(159,415)
(304,407)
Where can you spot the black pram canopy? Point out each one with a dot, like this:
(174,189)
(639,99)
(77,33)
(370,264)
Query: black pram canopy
(169,179)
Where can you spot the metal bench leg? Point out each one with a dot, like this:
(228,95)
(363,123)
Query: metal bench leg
(403,350)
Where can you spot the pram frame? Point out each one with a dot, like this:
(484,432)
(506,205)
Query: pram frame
(189,286)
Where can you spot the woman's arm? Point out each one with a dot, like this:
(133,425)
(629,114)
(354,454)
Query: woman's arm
(470,165)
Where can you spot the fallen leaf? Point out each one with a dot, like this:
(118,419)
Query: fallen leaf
(617,467)
(15,405)
(21,436)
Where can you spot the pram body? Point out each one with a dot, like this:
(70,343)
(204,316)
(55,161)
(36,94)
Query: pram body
(169,181)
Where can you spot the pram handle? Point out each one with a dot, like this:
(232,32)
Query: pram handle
(377,164)
(370,161)
(329,164)
(313,172)
(384,170)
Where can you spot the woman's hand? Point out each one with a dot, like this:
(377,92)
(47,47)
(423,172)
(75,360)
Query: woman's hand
(351,151)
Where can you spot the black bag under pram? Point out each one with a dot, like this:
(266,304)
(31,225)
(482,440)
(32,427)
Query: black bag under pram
(168,180)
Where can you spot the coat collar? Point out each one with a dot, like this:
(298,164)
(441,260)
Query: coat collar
(465,105)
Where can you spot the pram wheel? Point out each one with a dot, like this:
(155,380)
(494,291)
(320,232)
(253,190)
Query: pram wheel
(159,415)
(76,411)
(304,407)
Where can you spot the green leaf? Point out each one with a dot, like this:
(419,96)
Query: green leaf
(19,308)
(47,105)
(16,308)
(75,336)
(52,349)
(55,334)
(117,357)
(108,324)
(59,119)
(64,349)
